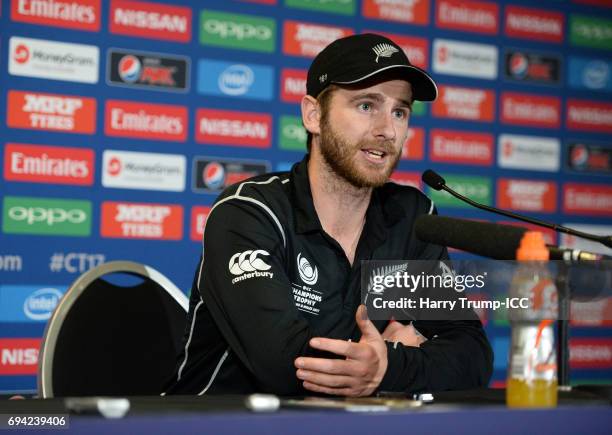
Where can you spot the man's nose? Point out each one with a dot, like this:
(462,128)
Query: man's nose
(384,126)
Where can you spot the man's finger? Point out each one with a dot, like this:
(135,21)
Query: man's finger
(331,391)
(368,330)
(339,347)
(330,366)
(325,380)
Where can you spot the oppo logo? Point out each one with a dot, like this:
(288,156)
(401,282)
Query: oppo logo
(236,80)
(240,31)
(48,216)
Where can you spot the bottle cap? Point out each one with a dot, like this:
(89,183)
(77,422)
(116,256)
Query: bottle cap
(532,247)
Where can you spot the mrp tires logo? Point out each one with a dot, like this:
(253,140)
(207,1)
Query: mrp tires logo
(148,70)
(212,175)
(46,216)
(244,32)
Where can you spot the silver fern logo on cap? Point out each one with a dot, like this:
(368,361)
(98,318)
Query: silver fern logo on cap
(384,50)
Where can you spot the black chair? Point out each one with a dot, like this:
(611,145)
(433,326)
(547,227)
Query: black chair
(106,339)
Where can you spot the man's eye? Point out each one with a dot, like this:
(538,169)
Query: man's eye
(365,107)
(400,114)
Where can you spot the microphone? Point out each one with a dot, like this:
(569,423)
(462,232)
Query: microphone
(436,182)
(496,241)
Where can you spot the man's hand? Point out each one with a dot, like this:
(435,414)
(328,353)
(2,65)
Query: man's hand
(405,334)
(357,375)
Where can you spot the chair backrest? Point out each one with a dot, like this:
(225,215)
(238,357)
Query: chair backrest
(112,340)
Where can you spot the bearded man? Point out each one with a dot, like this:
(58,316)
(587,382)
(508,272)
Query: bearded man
(276,303)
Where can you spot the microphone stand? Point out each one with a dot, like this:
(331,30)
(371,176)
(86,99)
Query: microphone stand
(562,281)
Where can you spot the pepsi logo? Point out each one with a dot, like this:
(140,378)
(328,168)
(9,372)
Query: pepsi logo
(114,166)
(130,68)
(22,54)
(236,80)
(214,175)
(519,65)
(579,155)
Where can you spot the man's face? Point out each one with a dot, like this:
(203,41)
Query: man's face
(363,131)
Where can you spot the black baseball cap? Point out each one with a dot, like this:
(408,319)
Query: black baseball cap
(358,57)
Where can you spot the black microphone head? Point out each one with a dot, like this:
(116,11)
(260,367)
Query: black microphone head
(495,241)
(433,179)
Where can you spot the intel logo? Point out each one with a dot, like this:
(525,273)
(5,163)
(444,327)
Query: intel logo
(236,80)
(40,304)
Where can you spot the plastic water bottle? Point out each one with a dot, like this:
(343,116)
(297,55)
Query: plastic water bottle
(532,369)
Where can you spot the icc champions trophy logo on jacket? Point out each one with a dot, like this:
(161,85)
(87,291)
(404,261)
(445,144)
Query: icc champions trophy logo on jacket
(308,274)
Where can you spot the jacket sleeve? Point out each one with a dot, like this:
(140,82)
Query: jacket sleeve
(245,286)
(457,354)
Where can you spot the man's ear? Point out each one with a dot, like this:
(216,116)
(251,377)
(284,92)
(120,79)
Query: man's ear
(311,114)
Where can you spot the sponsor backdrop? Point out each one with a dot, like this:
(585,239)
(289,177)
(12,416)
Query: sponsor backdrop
(122,120)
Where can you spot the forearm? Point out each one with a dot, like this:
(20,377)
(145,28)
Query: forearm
(459,357)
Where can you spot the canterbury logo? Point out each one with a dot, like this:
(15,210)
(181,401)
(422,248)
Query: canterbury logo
(248,261)
(384,50)
(307,273)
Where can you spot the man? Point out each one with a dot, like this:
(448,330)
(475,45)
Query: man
(276,302)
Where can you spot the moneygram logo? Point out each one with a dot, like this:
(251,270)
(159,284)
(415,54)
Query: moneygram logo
(141,221)
(477,188)
(51,112)
(19,356)
(403,11)
(244,32)
(292,134)
(150,20)
(72,14)
(589,116)
(143,120)
(465,59)
(212,175)
(534,24)
(46,216)
(293,85)
(587,199)
(528,152)
(527,195)
(234,128)
(592,32)
(44,164)
(307,39)
(469,16)
(199,215)
(530,110)
(53,60)
(148,171)
(148,70)
(461,147)
(240,80)
(344,7)
(413,148)
(465,103)
(533,67)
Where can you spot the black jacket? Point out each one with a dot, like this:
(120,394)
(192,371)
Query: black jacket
(271,279)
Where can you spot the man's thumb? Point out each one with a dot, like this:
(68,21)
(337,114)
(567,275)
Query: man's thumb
(368,330)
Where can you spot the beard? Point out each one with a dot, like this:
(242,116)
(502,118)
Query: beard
(340,156)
